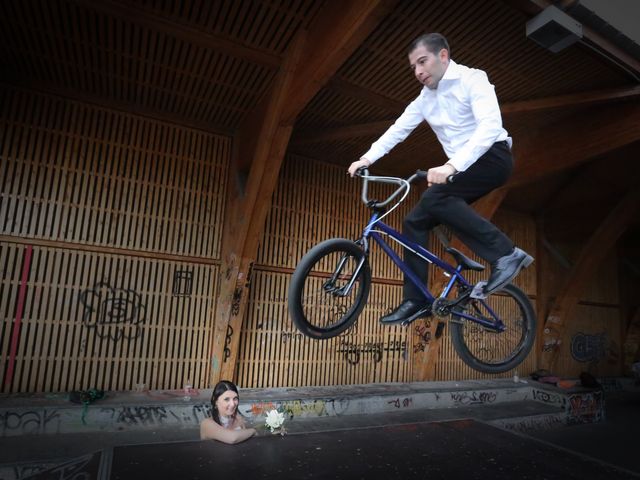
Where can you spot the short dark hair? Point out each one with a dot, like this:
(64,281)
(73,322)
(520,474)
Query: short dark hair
(433,41)
(221,387)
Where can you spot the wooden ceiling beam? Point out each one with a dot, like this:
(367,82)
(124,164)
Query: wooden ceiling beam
(570,100)
(574,140)
(341,133)
(377,128)
(340,30)
(589,196)
(589,182)
(176,28)
(261,143)
(350,90)
(112,104)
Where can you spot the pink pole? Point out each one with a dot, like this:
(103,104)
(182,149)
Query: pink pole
(26,265)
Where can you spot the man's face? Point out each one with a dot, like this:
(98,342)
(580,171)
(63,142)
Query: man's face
(427,66)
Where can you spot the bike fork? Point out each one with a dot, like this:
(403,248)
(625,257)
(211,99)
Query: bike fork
(346,290)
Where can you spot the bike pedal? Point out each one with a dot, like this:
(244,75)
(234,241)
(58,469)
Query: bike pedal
(424,313)
(439,329)
(478,291)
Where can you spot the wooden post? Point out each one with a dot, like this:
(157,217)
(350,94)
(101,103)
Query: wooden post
(591,256)
(262,152)
(542,285)
(631,341)
(424,332)
(262,143)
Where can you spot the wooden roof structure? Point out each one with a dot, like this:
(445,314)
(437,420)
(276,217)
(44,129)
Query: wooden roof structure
(209,64)
(323,79)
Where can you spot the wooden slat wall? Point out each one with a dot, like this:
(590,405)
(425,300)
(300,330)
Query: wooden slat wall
(313,202)
(116,207)
(104,321)
(521,229)
(76,173)
(593,340)
(274,354)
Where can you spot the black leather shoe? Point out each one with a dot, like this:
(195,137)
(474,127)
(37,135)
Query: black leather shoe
(407,312)
(506,268)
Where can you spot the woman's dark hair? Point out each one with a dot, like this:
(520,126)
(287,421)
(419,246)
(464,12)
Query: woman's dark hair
(221,387)
(433,41)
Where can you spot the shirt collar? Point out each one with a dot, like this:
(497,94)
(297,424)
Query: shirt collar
(453,72)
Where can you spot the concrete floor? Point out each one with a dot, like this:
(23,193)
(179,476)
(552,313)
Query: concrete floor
(616,440)
(437,450)
(405,444)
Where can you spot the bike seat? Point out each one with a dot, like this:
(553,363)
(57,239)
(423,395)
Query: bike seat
(462,259)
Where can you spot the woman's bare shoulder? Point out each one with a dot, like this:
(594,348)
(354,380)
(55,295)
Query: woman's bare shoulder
(208,427)
(207,421)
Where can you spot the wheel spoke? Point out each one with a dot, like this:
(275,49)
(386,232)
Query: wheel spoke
(325,299)
(491,351)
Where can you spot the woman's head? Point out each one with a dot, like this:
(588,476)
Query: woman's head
(224,400)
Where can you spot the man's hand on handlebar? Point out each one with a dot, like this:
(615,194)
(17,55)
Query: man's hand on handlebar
(357,165)
(440,174)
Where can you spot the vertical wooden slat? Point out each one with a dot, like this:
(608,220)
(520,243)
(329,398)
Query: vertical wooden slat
(78,174)
(302,189)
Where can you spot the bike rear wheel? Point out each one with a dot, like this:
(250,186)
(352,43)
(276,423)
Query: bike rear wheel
(496,352)
(320,303)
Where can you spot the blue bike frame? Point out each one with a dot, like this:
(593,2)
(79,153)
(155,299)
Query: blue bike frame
(372,231)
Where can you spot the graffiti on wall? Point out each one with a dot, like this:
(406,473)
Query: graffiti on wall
(423,334)
(302,408)
(182,283)
(585,408)
(473,398)
(29,422)
(594,348)
(113,313)
(588,348)
(227,343)
(155,415)
(87,466)
(354,352)
(547,397)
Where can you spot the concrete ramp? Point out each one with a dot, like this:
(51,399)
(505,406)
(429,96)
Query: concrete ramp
(438,450)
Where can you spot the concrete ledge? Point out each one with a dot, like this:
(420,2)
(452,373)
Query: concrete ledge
(526,423)
(128,411)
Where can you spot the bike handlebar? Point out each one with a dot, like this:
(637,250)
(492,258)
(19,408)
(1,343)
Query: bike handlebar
(404,185)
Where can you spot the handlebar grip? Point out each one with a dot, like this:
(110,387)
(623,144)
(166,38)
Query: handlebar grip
(423,175)
(452,178)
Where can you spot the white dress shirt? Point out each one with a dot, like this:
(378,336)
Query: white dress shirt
(463,112)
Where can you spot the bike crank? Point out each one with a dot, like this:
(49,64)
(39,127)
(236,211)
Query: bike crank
(441,308)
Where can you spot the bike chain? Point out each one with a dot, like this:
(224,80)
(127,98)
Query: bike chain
(441,309)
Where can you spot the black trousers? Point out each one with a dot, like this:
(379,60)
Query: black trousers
(448,204)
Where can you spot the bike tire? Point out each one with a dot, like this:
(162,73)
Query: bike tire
(496,352)
(317,311)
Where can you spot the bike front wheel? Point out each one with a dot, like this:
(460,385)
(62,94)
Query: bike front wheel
(495,352)
(329,288)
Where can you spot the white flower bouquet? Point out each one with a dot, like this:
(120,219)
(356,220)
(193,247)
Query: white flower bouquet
(274,421)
